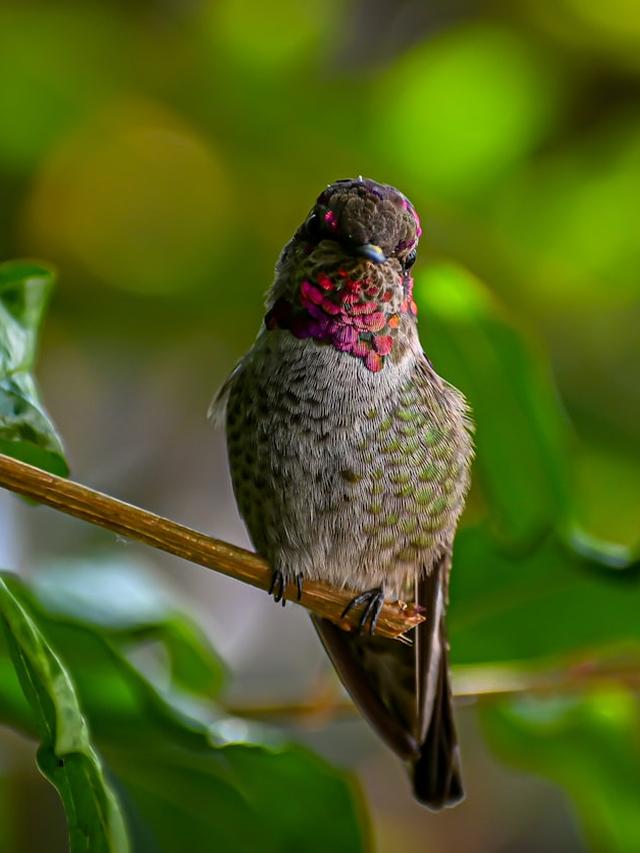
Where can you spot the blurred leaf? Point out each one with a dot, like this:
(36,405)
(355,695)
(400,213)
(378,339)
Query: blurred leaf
(66,756)
(590,745)
(157,225)
(54,68)
(549,602)
(280,37)
(568,222)
(110,593)
(608,481)
(125,602)
(26,431)
(240,797)
(122,700)
(521,433)
(180,782)
(479,99)
(613,34)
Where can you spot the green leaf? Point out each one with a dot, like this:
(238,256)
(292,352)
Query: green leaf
(480,98)
(240,797)
(122,699)
(66,756)
(183,786)
(549,601)
(587,744)
(125,602)
(26,431)
(521,433)
(180,781)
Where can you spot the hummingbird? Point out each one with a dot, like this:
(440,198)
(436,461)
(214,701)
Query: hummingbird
(350,458)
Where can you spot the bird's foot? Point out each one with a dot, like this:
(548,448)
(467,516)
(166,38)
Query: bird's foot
(278,587)
(373,601)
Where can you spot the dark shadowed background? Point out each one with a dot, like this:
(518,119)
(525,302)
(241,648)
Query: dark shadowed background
(159,154)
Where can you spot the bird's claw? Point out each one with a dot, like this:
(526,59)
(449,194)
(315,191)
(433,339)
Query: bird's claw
(299,585)
(373,601)
(278,586)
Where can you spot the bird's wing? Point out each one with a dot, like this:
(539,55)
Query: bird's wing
(379,676)
(217,409)
(403,691)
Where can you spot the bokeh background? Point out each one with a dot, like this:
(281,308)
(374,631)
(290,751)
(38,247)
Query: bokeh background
(159,154)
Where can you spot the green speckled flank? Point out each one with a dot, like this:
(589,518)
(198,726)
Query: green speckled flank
(449,487)
(400,479)
(429,472)
(422,541)
(398,461)
(386,424)
(405,491)
(434,525)
(409,431)
(393,446)
(424,496)
(378,474)
(439,505)
(350,476)
(372,414)
(407,555)
(433,435)
(235,450)
(391,520)
(407,415)
(255,514)
(456,471)
(375,507)
(409,397)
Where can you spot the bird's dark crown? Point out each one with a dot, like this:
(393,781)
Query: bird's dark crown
(361,212)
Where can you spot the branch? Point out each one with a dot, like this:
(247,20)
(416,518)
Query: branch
(134,523)
(471,684)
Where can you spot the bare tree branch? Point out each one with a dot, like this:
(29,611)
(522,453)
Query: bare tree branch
(471,685)
(134,523)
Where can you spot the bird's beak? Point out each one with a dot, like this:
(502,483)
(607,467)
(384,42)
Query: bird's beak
(371,252)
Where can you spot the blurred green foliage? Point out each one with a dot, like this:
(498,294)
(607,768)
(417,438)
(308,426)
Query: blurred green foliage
(65,756)
(182,774)
(25,429)
(590,746)
(521,433)
(161,154)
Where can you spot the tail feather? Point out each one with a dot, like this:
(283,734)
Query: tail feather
(437,778)
(360,664)
(403,691)
(437,781)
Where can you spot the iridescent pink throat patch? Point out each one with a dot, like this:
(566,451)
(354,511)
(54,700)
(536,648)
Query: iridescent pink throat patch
(346,313)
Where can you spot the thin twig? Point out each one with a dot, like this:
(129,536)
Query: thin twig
(470,685)
(134,523)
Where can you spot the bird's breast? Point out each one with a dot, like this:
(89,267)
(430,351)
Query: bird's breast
(351,474)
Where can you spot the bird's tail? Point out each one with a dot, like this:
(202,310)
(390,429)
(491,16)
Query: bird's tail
(403,691)
(437,780)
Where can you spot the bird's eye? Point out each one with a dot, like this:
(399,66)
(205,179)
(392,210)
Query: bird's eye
(410,260)
(312,226)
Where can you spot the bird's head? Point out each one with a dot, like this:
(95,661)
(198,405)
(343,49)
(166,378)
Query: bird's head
(361,218)
(344,279)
